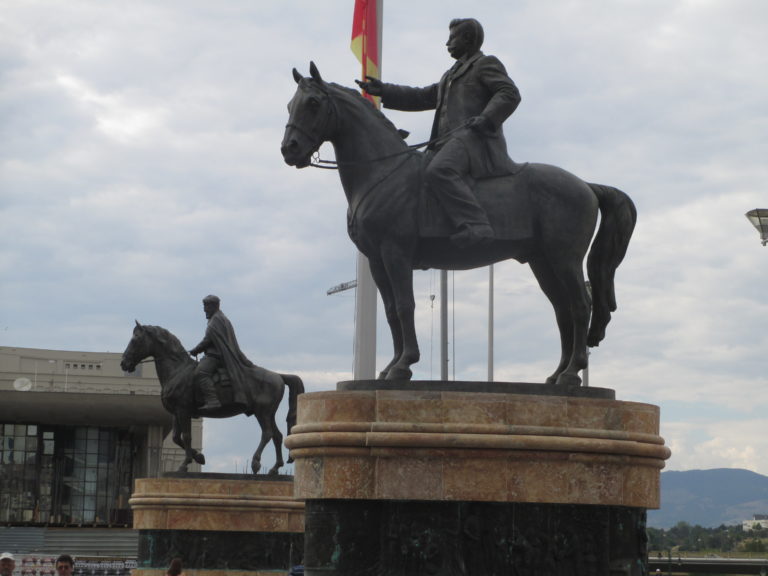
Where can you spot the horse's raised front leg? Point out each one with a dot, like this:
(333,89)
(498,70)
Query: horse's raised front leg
(381,279)
(400,274)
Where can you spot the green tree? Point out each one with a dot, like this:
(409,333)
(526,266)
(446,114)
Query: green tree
(754,545)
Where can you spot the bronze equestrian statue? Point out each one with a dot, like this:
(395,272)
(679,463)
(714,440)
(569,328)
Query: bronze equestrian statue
(258,393)
(540,215)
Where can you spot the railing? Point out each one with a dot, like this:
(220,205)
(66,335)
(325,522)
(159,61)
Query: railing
(681,566)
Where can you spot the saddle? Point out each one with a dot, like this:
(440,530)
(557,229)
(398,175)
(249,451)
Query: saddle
(505,202)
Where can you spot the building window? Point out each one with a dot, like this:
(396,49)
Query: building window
(20,468)
(65,475)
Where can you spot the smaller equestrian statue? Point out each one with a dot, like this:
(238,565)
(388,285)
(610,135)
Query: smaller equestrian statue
(537,214)
(183,395)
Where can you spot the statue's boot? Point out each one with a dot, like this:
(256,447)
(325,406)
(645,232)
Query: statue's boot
(210,397)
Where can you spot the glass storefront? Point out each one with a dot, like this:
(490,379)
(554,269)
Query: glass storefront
(65,474)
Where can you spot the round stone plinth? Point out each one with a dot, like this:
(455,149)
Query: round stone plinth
(244,525)
(527,444)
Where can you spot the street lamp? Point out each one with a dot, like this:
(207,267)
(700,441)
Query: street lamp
(759,219)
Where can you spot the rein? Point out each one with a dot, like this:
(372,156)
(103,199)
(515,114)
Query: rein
(334,165)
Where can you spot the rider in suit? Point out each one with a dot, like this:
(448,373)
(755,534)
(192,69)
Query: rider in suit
(221,350)
(471,102)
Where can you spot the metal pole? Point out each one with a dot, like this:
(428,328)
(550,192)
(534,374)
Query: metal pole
(443,325)
(490,323)
(364,366)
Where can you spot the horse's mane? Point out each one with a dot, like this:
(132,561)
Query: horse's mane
(164,337)
(354,96)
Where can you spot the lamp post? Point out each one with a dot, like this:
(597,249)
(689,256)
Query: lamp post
(759,219)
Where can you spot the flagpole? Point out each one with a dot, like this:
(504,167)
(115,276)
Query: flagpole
(364,364)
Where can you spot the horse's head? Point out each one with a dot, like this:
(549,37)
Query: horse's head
(138,348)
(310,119)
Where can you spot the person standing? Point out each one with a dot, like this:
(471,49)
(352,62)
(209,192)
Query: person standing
(7,564)
(64,565)
(174,569)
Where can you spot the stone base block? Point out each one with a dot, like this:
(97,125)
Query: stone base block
(216,523)
(465,479)
(390,538)
(207,553)
(533,443)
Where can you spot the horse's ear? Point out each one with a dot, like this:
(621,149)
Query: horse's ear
(315,73)
(137,324)
(297,76)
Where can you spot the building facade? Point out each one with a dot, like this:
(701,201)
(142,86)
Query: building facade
(75,431)
(758,522)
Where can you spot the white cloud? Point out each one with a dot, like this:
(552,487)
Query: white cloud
(140,170)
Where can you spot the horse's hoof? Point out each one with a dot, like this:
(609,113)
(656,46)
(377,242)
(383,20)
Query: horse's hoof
(255,466)
(182,468)
(199,458)
(273,471)
(290,459)
(382,375)
(566,379)
(399,374)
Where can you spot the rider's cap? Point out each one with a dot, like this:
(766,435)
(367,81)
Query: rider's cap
(211,299)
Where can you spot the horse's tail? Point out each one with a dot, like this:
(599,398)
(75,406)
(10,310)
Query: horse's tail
(295,387)
(617,221)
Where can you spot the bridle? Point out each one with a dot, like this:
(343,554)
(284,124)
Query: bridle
(331,116)
(146,360)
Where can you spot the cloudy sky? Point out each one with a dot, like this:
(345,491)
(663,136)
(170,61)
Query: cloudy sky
(140,170)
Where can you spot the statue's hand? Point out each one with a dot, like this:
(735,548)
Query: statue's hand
(481,124)
(372,85)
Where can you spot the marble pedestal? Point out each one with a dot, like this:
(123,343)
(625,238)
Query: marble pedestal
(217,524)
(475,478)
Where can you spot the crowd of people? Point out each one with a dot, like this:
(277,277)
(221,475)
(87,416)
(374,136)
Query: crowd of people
(65,566)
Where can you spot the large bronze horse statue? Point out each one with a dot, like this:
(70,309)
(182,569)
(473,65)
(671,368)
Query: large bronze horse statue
(555,214)
(176,369)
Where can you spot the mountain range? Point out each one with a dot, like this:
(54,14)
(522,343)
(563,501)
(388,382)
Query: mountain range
(710,498)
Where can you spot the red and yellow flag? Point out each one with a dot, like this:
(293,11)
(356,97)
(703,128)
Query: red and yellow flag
(366,38)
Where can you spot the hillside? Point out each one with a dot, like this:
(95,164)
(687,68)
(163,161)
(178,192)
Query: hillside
(710,497)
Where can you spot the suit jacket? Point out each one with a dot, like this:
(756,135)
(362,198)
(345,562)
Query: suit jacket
(478,86)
